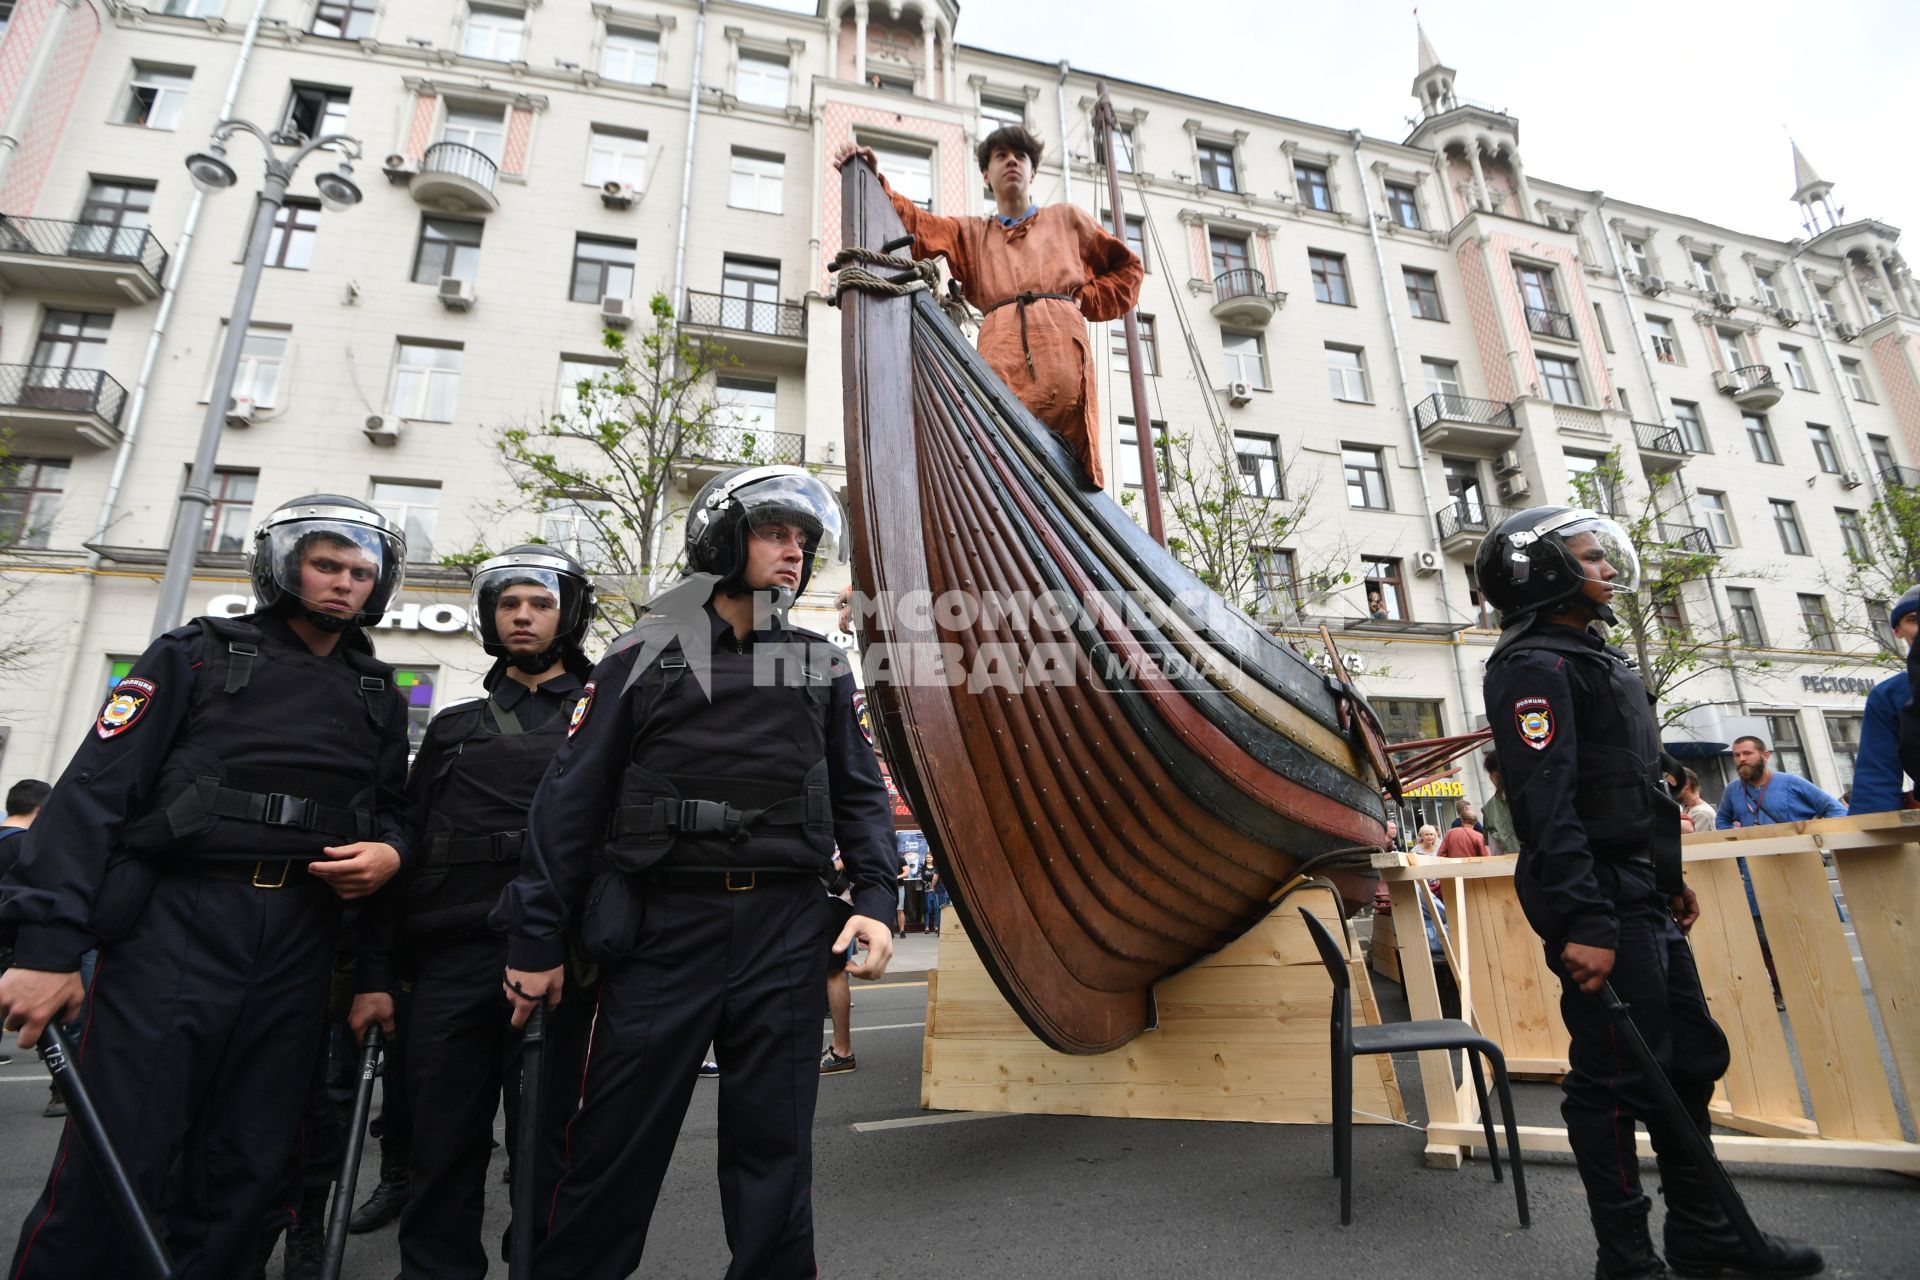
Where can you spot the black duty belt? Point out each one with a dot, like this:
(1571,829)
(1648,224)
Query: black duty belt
(663,814)
(1022,301)
(279,810)
(274,873)
(736,881)
(444,850)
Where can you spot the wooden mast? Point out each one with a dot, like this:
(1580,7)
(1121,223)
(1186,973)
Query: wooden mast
(1136,374)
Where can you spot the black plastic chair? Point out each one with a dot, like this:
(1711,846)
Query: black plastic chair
(1350,1042)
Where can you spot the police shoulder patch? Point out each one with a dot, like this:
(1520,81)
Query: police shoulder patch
(1534,718)
(579,716)
(125,705)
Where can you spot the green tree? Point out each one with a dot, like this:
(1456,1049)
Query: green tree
(1880,571)
(22,641)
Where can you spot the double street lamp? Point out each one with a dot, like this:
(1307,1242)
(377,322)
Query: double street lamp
(211,173)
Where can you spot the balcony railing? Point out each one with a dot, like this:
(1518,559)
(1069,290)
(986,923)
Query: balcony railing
(1242,282)
(1458,408)
(1655,438)
(55,238)
(1687,537)
(461,161)
(747,315)
(1554,324)
(1751,377)
(44,387)
(1900,478)
(747,444)
(1469,517)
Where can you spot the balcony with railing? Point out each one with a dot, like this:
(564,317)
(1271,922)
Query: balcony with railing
(1466,424)
(706,454)
(41,404)
(81,259)
(456,178)
(1751,386)
(1688,539)
(1465,522)
(1662,448)
(1549,323)
(758,330)
(1241,296)
(1900,478)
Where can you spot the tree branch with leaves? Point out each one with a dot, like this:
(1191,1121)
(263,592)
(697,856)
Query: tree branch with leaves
(1882,564)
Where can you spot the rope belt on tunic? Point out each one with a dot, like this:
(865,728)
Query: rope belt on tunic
(1022,301)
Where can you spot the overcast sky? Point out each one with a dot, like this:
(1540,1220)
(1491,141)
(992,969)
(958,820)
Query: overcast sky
(1680,104)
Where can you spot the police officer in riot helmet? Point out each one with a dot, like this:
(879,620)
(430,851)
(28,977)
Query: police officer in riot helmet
(1600,881)
(472,783)
(237,786)
(686,825)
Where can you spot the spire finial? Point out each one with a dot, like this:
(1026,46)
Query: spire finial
(1428,58)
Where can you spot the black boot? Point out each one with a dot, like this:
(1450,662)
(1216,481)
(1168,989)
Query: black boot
(1702,1242)
(392,1193)
(1626,1250)
(307,1237)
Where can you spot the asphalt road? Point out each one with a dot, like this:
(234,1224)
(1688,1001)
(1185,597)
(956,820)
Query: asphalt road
(1058,1196)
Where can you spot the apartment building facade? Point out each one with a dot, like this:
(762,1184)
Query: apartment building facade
(1404,337)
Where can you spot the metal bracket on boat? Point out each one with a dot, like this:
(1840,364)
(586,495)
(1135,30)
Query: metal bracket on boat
(1359,721)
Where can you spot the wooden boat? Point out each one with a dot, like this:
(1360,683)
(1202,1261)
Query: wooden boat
(1117,780)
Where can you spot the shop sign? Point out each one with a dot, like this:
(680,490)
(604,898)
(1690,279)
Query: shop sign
(1444,787)
(445,619)
(1861,685)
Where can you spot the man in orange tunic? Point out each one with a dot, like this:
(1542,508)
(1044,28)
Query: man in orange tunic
(1038,275)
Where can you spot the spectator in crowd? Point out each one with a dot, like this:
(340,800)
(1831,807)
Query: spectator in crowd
(1692,805)
(912,849)
(1376,607)
(1426,841)
(838,1055)
(24,799)
(1879,781)
(1498,818)
(1463,842)
(1465,815)
(936,893)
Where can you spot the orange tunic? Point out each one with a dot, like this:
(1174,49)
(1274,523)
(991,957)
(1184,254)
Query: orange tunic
(1060,249)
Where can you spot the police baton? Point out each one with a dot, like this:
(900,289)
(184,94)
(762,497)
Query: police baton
(526,1155)
(1699,1149)
(350,1164)
(86,1117)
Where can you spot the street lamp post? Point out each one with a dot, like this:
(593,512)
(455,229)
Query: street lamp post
(211,172)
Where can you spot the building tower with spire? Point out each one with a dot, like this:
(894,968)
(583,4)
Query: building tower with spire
(1810,193)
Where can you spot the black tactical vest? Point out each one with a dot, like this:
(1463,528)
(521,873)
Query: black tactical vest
(278,755)
(737,780)
(488,769)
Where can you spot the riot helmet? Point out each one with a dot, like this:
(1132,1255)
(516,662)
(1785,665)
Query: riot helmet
(346,544)
(1533,561)
(731,505)
(568,591)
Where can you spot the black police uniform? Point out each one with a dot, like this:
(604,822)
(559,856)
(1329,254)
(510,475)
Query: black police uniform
(688,828)
(471,786)
(1580,753)
(177,840)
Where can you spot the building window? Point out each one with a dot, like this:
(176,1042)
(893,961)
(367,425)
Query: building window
(763,80)
(225,528)
(1768,294)
(1882,450)
(630,57)
(1843,735)
(757,181)
(1001,113)
(1128,446)
(416,685)
(1592,486)
(290,243)
(1789,753)
(482,128)
(1136,236)
(1746,617)
(1216,165)
(1693,432)
(1408,719)
(1149,351)
(344,19)
(113,221)
(1560,378)
(1787,522)
(1823,294)
(1823,451)
(617,155)
(750,295)
(749,405)
(1880,620)
(1423,294)
(1122,144)
(1856,379)
(1366,479)
(1760,438)
(67,359)
(493,33)
(426,381)
(30,490)
(1796,369)
(263,358)
(1404,205)
(1246,358)
(1817,621)
(1670,614)
(1713,506)
(1228,253)
(602,269)
(156,97)
(1386,591)
(1485,616)
(1310,184)
(577,524)
(1637,260)
(1258,458)
(1329,272)
(315,111)
(584,394)
(1666,346)
(1276,584)
(1347,373)
(1442,377)
(1606,334)
(1703,274)
(1853,534)
(448,247)
(909,172)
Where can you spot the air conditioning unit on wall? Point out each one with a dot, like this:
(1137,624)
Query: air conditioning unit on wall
(1426,563)
(456,294)
(617,195)
(240,411)
(1239,393)
(1514,486)
(616,312)
(382,430)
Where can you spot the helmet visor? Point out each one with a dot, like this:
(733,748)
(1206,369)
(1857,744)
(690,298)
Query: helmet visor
(1600,547)
(800,507)
(524,606)
(336,567)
